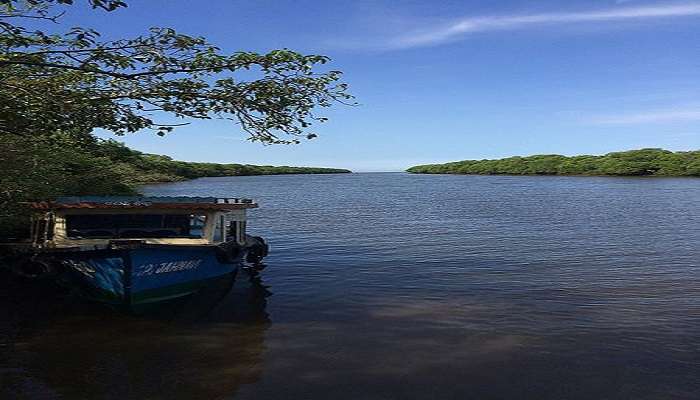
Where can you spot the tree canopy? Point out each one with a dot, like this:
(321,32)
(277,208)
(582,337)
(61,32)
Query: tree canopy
(73,81)
(57,85)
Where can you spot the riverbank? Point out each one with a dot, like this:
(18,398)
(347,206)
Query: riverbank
(643,162)
(154,168)
(48,166)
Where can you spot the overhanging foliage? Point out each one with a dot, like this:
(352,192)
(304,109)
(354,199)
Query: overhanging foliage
(76,82)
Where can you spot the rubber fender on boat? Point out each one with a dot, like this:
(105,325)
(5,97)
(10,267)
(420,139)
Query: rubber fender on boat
(228,252)
(257,249)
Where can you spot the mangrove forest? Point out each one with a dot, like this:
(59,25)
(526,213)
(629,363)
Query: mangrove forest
(643,162)
(46,166)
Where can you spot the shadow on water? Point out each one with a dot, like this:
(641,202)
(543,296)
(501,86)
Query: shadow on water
(54,345)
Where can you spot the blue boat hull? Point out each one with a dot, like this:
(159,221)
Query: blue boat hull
(147,274)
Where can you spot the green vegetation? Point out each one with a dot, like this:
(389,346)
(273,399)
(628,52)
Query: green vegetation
(75,81)
(46,166)
(644,162)
(143,168)
(57,87)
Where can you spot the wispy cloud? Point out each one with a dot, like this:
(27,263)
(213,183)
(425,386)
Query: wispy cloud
(456,29)
(687,114)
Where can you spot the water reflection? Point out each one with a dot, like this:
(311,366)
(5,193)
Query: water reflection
(449,348)
(206,346)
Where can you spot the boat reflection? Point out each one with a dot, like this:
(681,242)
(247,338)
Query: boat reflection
(206,346)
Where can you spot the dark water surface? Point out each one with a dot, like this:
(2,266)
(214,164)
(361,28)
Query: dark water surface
(396,286)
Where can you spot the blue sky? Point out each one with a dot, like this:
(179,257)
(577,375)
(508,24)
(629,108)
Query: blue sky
(451,80)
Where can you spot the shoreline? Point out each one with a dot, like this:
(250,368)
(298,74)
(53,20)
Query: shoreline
(560,175)
(236,176)
(184,179)
(648,162)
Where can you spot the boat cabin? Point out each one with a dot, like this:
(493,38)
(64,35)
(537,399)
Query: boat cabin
(96,222)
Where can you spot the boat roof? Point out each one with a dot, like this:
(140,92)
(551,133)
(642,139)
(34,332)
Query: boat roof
(136,202)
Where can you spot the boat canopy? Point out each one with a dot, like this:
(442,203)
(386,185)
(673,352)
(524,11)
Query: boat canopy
(126,203)
(90,221)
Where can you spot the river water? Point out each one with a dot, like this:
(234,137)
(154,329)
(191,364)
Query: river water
(398,286)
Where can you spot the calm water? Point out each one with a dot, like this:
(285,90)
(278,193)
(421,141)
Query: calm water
(396,286)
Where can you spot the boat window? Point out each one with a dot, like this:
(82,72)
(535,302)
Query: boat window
(237,230)
(145,226)
(43,229)
(241,232)
(219,231)
(197,224)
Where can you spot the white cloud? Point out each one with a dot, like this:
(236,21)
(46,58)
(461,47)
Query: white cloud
(655,116)
(458,28)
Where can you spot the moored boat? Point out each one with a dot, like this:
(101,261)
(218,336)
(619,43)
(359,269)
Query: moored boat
(137,250)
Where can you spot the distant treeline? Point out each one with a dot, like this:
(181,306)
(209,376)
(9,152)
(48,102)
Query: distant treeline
(46,166)
(644,162)
(149,168)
